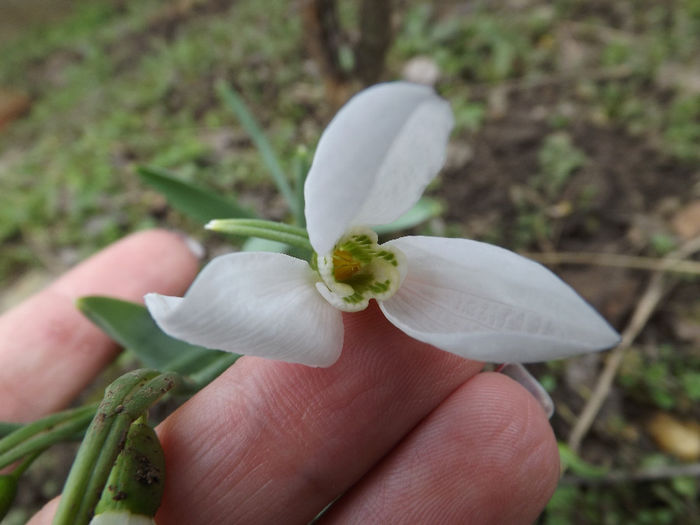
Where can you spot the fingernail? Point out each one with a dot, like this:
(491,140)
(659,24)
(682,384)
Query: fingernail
(194,246)
(519,373)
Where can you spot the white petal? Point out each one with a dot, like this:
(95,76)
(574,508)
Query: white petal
(374,159)
(486,303)
(262,304)
(522,375)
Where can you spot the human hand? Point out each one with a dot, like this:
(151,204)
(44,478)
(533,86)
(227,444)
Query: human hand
(405,432)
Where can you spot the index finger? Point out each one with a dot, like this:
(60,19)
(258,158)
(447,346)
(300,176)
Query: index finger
(49,352)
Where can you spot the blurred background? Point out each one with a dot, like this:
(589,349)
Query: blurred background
(577,142)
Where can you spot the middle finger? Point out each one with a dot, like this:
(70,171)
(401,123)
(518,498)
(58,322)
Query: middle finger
(272,442)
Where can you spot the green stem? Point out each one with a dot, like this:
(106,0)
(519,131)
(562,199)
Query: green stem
(69,509)
(43,433)
(275,231)
(97,477)
(22,467)
(125,400)
(259,223)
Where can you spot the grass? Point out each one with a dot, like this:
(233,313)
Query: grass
(102,104)
(113,107)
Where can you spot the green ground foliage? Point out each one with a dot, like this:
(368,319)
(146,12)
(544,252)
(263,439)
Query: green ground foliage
(578,125)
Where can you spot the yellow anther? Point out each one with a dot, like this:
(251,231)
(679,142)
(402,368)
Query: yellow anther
(344,265)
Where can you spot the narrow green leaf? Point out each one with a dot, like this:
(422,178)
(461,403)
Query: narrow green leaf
(206,374)
(130,325)
(199,204)
(250,124)
(425,209)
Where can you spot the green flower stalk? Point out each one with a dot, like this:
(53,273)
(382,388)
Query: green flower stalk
(125,401)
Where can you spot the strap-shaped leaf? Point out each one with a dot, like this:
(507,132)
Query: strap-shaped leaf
(130,325)
(195,202)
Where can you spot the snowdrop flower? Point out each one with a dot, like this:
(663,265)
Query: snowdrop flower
(470,298)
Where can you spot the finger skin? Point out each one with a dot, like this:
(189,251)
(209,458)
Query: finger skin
(46,514)
(270,442)
(486,455)
(49,351)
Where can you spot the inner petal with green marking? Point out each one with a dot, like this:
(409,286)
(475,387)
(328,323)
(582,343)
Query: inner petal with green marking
(358,270)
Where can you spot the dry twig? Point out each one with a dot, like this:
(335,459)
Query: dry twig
(616,260)
(646,306)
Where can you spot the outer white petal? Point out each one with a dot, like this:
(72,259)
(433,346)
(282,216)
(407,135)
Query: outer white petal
(522,375)
(486,303)
(262,304)
(374,159)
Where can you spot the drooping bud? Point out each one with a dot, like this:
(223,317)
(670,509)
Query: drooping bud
(519,373)
(135,485)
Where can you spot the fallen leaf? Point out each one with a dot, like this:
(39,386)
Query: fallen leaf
(681,439)
(13,104)
(686,222)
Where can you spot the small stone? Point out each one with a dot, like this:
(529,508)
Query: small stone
(421,70)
